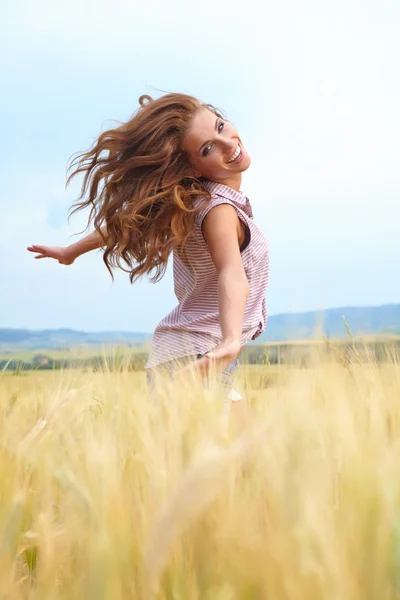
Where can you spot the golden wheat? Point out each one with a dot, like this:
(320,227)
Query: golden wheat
(107,493)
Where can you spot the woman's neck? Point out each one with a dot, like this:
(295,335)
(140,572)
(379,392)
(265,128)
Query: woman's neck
(233,182)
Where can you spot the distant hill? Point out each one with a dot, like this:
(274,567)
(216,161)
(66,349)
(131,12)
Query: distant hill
(65,338)
(376,320)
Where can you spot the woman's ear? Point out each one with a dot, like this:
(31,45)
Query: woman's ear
(196,174)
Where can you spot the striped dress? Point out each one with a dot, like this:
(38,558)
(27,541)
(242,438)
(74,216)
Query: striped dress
(193,327)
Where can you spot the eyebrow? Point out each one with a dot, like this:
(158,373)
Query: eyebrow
(208,141)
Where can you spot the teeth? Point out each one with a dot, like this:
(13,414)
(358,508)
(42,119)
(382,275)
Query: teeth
(235,156)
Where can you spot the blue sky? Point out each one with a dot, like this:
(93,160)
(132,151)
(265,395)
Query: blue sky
(313,87)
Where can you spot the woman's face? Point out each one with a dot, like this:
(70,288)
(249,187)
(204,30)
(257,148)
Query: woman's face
(215,149)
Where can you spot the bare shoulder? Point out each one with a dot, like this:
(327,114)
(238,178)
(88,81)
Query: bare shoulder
(221,220)
(222,233)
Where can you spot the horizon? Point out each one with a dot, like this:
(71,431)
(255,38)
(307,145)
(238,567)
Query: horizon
(316,312)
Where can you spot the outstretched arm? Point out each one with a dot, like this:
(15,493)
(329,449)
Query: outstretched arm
(67,254)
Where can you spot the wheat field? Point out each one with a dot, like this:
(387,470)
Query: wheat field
(109,493)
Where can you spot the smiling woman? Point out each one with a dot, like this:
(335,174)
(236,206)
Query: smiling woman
(168,181)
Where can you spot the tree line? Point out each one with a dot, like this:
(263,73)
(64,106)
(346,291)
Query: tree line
(347,351)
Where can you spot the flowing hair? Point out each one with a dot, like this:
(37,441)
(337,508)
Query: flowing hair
(138,183)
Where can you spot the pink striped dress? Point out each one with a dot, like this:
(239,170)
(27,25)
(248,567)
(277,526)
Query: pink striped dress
(193,327)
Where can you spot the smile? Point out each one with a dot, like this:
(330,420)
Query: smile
(237,154)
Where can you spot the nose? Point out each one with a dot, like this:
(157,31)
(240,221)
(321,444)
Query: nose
(229,146)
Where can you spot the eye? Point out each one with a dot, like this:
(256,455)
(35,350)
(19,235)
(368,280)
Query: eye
(208,148)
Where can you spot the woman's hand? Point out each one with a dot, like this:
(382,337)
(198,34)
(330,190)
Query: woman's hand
(220,357)
(215,361)
(67,254)
(60,253)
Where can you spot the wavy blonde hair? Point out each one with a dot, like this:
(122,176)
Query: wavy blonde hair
(138,182)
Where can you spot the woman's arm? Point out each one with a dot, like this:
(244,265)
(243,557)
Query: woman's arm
(67,254)
(222,232)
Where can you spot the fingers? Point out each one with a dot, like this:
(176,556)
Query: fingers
(217,355)
(208,365)
(35,248)
(41,251)
(212,362)
(200,366)
(221,356)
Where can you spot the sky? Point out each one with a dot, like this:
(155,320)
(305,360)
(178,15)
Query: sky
(313,88)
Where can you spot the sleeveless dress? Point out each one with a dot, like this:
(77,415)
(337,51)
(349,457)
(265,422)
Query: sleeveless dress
(193,328)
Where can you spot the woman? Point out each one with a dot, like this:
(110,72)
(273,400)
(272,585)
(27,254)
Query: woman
(168,181)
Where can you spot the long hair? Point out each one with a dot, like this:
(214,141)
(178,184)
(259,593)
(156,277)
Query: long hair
(138,183)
